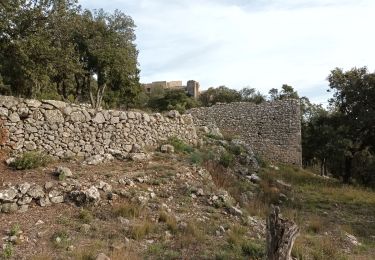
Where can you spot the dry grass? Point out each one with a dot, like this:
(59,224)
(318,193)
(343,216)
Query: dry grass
(191,236)
(41,257)
(90,252)
(128,210)
(318,248)
(142,229)
(257,208)
(169,220)
(236,235)
(124,254)
(219,173)
(316,225)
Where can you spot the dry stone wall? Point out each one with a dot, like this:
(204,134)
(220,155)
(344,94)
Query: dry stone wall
(273,129)
(65,130)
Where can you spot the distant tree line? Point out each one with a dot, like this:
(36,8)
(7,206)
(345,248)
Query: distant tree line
(53,49)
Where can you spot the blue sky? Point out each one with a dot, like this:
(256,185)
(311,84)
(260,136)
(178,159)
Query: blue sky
(257,43)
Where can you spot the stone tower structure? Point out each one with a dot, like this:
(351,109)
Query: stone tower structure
(192,88)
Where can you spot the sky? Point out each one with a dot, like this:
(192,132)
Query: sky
(257,43)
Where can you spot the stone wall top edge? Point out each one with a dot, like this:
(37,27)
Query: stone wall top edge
(10,101)
(251,104)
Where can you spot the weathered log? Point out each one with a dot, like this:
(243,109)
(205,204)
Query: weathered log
(281,234)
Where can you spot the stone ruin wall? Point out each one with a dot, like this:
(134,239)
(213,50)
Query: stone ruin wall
(273,129)
(66,130)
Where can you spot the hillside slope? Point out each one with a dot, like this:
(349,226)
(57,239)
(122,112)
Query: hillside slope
(192,204)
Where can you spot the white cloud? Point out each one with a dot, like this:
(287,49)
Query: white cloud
(258,43)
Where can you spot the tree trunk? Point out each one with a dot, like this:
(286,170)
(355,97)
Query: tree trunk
(325,167)
(79,88)
(64,91)
(348,169)
(281,234)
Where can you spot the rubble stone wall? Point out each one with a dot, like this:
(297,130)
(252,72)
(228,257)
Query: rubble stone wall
(65,130)
(273,129)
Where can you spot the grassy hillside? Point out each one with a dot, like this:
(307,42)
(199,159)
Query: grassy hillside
(327,211)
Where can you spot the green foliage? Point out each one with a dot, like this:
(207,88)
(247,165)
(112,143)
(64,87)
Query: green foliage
(197,158)
(240,245)
(235,149)
(226,159)
(261,161)
(56,50)
(287,92)
(215,137)
(164,100)
(85,216)
(221,94)
(342,140)
(30,160)
(7,251)
(251,95)
(14,230)
(60,239)
(253,250)
(180,146)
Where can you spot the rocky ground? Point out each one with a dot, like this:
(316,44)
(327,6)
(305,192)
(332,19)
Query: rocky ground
(207,203)
(144,207)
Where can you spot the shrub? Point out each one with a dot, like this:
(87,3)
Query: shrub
(85,216)
(213,136)
(197,157)
(30,160)
(61,239)
(7,251)
(226,159)
(14,230)
(235,149)
(180,146)
(262,162)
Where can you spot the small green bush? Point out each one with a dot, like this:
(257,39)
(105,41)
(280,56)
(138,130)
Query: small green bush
(14,230)
(226,159)
(7,251)
(61,239)
(180,146)
(215,137)
(30,160)
(261,161)
(85,216)
(197,158)
(235,149)
(253,250)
